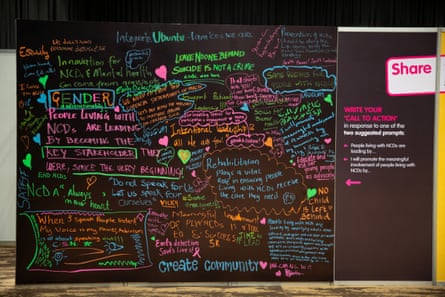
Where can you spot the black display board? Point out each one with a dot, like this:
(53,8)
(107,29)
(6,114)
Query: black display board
(384,169)
(154,152)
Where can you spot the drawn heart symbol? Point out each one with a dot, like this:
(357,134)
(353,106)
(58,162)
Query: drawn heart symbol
(42,99)
(91,180)
(36,139)
(163,227)
(278,273)
(117,108)
(153,238)
(263,264)
(27,161)
(25,141)
(328,99)
(311,192)
(184,156)
(163,141)
(193,173)
(245,107)
(161,72)
(263,221)
(43,80)
(207,148)
(166,155)
(327,140)
(269,142)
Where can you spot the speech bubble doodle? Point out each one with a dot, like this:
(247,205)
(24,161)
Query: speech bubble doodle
(246,91)
(292,79)
(260,182)
(160,104)
(136,58)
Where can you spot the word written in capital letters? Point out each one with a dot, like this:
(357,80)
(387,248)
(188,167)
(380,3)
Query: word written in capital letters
(367,114)
(371,121)
(198,57)
(81,98)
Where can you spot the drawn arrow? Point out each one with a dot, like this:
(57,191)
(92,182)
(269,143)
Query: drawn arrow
(350,182)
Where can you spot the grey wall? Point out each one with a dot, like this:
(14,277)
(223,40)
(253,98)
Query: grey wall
(8,157)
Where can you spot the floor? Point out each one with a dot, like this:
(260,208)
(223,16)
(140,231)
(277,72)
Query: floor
(8,288)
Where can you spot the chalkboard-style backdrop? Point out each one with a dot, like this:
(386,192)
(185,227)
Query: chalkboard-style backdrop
(151,152)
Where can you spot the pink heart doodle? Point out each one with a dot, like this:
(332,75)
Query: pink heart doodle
(163,227)
(163,140)
(263,264)
(161,72)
